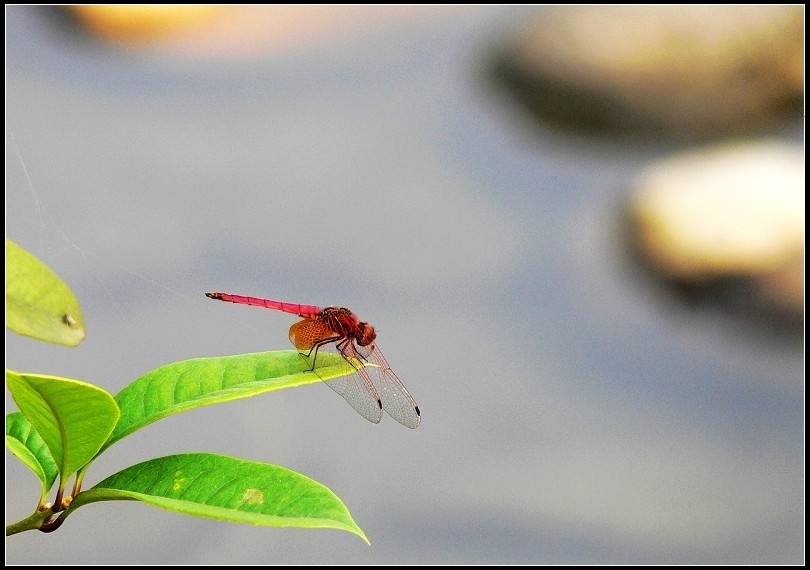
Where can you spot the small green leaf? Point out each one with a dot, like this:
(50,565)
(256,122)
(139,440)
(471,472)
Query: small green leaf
(38,303)
(27,445)
(73,418)
(200,382)
(228,489)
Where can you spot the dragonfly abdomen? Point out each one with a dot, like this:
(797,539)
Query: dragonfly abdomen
(307,311)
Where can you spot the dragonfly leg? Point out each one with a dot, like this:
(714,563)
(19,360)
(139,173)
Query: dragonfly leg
(349,352)
(313,350)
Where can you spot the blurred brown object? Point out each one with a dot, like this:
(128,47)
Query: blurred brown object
(681,71)
(143,23)
(240,31)
(728,222)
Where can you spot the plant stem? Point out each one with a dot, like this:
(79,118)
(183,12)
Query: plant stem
(33,522)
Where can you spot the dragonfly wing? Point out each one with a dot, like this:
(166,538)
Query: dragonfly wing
(356,388)
(307,333)
(396,400)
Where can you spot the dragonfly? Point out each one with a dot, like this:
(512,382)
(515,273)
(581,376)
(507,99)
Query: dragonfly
(369,389)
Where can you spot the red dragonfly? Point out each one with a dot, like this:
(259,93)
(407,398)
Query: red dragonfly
(369,389)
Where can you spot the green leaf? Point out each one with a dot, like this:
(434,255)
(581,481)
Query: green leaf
(38,303)
(228,489)
(200,382)
(73,418)
(25,443)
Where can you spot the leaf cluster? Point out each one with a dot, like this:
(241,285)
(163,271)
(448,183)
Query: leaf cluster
(64,424)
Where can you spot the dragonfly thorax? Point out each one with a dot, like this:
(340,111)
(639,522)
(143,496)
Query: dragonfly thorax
(345,323)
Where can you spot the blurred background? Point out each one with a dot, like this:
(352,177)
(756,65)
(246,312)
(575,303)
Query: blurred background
(598,383)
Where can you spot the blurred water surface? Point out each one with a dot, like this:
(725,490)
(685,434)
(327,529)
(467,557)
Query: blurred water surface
(571,413)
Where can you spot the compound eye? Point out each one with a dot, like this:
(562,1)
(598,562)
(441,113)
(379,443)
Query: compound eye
(367,334)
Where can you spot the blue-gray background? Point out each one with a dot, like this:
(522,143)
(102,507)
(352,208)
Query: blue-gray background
(571,414)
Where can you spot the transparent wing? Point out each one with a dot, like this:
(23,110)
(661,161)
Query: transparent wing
(356,387)
(396,400)
(368,389)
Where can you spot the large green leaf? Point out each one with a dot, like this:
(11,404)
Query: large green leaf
(38,303)
(29,447)
(73,418)
(226,488)
(200,382)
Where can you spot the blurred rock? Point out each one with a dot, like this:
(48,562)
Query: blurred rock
(683,71)
(244,31)
(143,23)
(727,222)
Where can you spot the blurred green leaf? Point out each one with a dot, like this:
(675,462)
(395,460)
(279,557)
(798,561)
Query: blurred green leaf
(28,446)
(73,418)
(228,489)
(38,303)
(189,384)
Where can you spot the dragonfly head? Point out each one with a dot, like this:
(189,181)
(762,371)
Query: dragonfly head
(367,334)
